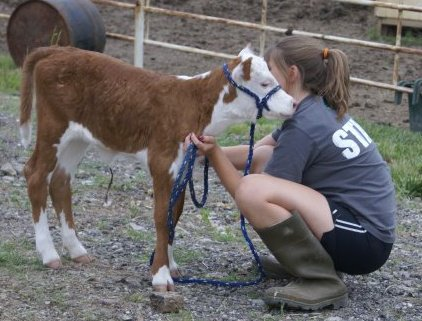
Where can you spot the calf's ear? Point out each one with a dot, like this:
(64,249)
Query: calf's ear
(242,72)
(246,52)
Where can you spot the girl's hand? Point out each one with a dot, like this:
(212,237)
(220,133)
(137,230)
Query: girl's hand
(205,144)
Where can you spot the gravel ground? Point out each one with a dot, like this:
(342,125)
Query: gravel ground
(116,286)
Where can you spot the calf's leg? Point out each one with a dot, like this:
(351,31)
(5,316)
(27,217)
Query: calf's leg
(61,195)
(36,173)
(69,154)
(161,277)
(177,212)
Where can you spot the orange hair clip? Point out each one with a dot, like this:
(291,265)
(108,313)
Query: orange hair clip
(325,53)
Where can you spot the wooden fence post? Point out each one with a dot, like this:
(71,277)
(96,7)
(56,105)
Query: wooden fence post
(263,35)
(139,33)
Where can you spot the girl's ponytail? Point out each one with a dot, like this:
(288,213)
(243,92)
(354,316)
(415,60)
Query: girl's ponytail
(337,80)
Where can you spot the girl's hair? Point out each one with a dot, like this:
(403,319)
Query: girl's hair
(324,72)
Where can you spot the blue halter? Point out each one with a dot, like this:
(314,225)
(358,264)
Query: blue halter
(261,104)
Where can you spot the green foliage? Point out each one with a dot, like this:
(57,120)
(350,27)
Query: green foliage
(402,150)
(185,256)
(140,235)
(239,133)
(409,38)
(14,256)
(15,197)
(137,298)
(103,224)
(182,315)
(205,216)
(225,235)
(9,75)
(133,209)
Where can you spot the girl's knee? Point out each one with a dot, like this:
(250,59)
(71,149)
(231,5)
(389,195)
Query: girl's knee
(247,190)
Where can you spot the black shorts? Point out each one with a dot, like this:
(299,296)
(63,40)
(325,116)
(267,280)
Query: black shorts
(353,249)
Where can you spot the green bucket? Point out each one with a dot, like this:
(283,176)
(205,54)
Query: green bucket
(415,103)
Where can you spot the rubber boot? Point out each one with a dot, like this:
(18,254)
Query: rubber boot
(273,268)
(302,255)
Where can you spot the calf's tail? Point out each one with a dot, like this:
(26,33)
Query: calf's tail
(27,90)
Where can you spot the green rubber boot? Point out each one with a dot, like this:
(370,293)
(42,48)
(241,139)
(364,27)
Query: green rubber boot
(273,268)
(302,255)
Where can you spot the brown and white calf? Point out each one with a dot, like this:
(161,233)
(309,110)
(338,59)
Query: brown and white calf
(85,99)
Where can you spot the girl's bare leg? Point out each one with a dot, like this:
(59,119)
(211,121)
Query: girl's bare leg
(266,200)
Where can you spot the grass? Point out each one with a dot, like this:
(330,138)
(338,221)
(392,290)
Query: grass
(409,38)
(239,133)
(403,152)
(402,149)
(224,235)
(137,298)
(9,76)
(182,315)
(14,256)
(186,256)
(16,197)
(134,235)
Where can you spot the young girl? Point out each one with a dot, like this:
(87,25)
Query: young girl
(321,197)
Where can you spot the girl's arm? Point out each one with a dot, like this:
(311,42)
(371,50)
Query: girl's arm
(266,140)
(238,154)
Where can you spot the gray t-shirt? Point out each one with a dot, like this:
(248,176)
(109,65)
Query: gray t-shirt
(338,159)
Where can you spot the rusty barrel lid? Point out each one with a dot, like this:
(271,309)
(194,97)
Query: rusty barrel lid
(38,23)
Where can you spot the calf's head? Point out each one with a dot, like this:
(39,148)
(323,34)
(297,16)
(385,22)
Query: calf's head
(253,74)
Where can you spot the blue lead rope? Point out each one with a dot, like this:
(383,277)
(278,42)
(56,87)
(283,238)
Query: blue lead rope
(192,189)
(184,176)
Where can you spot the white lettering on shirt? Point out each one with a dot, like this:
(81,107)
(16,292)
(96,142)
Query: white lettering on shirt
(345,138)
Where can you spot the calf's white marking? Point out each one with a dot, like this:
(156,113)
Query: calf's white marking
(70,240)
(172,262)
(162,277)
(43,240)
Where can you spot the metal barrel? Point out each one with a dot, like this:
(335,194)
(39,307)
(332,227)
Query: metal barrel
(38,23)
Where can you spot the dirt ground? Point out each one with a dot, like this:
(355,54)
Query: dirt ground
(116,286)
